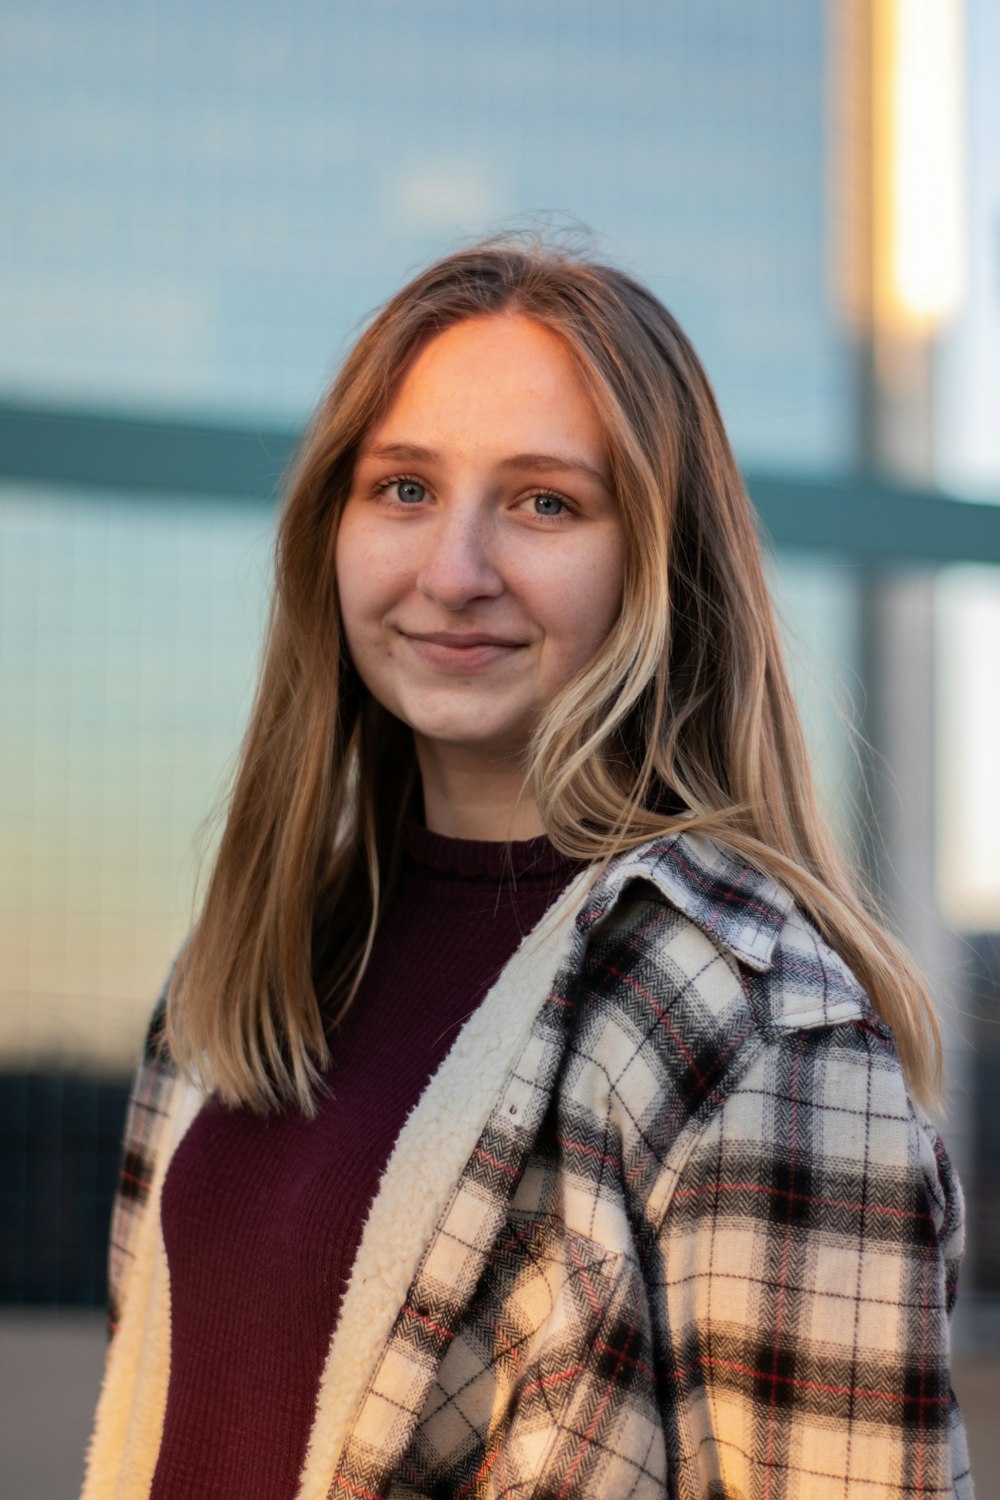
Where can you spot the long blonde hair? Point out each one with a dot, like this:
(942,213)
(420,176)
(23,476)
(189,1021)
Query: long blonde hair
(683,720)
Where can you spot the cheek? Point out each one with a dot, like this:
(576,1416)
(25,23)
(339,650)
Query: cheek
(584,609)
(362,583)
(345,574)
(359,608)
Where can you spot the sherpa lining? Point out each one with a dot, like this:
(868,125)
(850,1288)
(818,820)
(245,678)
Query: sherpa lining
(427,1161)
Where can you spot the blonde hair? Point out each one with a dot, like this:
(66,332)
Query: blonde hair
(683,721)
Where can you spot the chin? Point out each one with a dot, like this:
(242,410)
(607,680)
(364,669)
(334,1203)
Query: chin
(473,736)
(476,720)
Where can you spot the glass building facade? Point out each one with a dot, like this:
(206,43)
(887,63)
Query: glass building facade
(203,201)
(204,204)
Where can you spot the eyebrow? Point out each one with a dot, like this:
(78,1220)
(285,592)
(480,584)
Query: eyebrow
(517,463)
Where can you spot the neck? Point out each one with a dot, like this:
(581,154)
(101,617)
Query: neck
(467,799)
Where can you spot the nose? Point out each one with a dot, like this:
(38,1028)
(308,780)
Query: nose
(459,565)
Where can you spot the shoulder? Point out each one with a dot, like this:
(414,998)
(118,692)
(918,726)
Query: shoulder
(154,1086)
(699,968)
(156,1072)
(726,1023)
(757,1031)
(688,912)
(154,1080)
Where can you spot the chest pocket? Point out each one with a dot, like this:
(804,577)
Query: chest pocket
(549,1365)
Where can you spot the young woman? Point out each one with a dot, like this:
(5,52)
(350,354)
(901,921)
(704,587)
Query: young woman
(535,1107)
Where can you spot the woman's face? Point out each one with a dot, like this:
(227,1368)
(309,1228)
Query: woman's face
(480,555)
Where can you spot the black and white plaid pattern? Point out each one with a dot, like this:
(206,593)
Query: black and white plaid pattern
(152,1089)
(705,1246)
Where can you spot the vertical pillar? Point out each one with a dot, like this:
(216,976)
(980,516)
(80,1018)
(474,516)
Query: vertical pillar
(895,441)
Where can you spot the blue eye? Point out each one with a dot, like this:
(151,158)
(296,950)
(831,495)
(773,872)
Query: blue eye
(548,505)
(409,491)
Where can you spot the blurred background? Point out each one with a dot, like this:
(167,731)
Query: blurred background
(202,204)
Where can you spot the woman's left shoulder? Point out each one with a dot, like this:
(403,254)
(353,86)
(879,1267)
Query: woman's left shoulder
(718,942)
(712,970)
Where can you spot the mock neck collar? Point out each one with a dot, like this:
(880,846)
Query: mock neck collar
(483,859)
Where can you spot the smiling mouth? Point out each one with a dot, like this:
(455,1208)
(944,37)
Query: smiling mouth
(459,654)
(461,642)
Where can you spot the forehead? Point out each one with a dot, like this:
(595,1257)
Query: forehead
(491,375)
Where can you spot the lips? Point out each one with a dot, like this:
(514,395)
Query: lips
(460,642)
(464,653)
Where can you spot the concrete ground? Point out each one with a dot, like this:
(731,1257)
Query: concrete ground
(50,1368)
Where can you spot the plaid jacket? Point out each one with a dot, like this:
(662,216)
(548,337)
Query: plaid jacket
(665,1222)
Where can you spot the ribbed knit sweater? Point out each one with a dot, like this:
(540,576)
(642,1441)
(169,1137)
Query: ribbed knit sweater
(262,1216)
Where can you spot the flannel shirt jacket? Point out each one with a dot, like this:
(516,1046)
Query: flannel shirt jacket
(677,1229)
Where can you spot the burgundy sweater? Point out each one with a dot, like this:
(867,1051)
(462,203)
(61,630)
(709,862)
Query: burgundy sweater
(262,1216)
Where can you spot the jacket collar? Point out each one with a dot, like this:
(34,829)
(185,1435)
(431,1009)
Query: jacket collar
(738,907)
